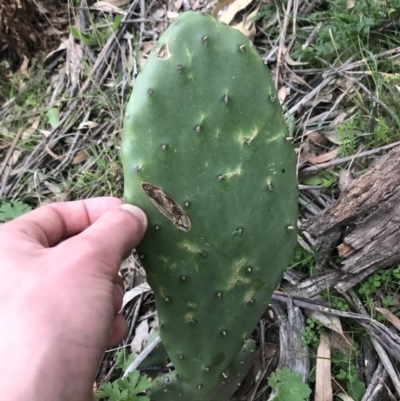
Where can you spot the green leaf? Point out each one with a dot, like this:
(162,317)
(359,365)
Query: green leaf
(110,391)
(123,359)
(101,38)
(87,40)
(288,386)
(53,117)
(117,22)
(356,389)
(126,389)
(10,211)
(143,385)
(312,180)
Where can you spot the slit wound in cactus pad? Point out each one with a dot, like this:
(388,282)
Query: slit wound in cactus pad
(167,206)
(163,52)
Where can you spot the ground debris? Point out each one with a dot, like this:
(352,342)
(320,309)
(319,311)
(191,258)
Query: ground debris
(363,226)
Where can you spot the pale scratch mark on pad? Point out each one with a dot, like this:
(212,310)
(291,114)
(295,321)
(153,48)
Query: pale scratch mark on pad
(249,138)
(189,55)
(236,276)
(167,206)
(191,248)
(232,173)
(275,138)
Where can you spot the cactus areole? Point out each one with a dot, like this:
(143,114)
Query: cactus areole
(205,155)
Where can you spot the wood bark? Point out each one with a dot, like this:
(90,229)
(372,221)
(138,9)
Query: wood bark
(363,227)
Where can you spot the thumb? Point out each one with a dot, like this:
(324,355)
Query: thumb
(110,238)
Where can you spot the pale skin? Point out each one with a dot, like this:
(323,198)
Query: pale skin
(60,295)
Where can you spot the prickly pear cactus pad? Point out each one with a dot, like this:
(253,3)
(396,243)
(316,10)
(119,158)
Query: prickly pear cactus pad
(205,155)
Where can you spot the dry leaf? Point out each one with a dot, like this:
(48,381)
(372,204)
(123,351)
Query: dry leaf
(325,157)
(318,138)
(172,15)
(107,7)
(339,119)
(290,61)
(88,125)
(332,137)
(282,93)
(62,46)
(195,5)
(298,80)
(320,98)
(56,190)
(45,132)
(247,27)
(140,337)
(80,157)
(390,317)
(323,382)
(52,154)
(24,66)
(159,13)
(32,129)
(116,3)
(230,13)
(14,157)
(344,397)
(56,198)
(220,5)
(178,4)
(51,30)
(345,179)
(134,292)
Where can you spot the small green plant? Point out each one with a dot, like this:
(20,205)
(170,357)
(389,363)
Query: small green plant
(345,370)
(302,261)
(337,302)
(387,302)
(370,284)
(12,210)
(312,332)
(344,29)
(396,272)
(382,133)
(324,178)
(123,359)
(101,32)
(346,133)
(266,11)
(130,388)
(288,386)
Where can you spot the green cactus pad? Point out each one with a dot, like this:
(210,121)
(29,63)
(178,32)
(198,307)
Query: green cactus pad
(171,387)
(205,155)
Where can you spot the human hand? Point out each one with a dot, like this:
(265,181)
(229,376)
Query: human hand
(59,295)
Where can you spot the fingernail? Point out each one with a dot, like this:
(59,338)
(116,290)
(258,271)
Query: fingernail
(136,211)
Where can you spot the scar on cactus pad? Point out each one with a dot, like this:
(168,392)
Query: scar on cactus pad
(205,155)
(170,209)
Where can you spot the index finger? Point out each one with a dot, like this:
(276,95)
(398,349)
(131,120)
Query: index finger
(48,225)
